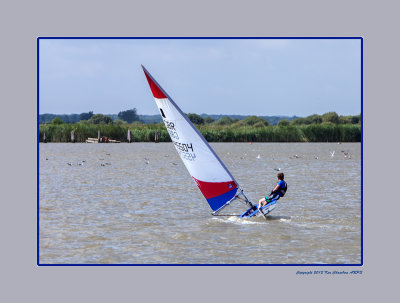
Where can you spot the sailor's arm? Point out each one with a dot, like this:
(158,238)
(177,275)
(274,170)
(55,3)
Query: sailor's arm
(276,188)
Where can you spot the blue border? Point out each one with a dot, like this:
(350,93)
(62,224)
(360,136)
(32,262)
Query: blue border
(37,150)
(200,38)
(362,147)
(220,38)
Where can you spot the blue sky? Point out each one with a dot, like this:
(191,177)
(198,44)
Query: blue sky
(214,76)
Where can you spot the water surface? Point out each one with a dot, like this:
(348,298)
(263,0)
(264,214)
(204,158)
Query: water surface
(136,203)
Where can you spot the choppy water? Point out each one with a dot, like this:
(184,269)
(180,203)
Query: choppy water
(136,203)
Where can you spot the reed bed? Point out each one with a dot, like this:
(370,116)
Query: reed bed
(211,132)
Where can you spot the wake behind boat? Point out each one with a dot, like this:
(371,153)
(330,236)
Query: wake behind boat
(210,174)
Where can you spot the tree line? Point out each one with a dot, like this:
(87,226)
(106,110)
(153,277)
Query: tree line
(327,118)
(127,116)
(130,116)
(329,127)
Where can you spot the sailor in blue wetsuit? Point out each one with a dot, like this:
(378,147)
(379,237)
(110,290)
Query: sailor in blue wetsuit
(276,193)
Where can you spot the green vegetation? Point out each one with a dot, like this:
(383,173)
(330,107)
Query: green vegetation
(328,118)
(195,118)
(100,119)
(254,121)
(329,127)
(129,115)
(208,120)
(57,121)
(283,122)
(226,121)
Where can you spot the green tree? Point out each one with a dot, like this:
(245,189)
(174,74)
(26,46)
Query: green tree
(355,119)
(283,122)
(314,119)
(251,120)
(119,121)
(330,117)
(299,121)
(344,120)
(57,120)
(224,121)
(100,119)
(129,115)
(196,119)
(86,116)
(208,120)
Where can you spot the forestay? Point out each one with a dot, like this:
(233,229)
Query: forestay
(209,173)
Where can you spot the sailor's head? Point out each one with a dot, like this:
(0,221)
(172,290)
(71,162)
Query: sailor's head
(280,176)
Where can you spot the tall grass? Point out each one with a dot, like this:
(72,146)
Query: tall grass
(211,132)
(332,133)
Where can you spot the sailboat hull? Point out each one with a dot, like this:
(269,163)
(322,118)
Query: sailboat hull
(265,209)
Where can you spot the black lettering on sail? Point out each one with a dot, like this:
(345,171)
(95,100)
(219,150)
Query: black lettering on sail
(162,113)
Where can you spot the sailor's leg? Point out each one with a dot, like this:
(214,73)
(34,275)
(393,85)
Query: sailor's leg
(261,202)
(272,197)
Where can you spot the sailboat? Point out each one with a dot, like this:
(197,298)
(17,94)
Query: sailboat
(210,174)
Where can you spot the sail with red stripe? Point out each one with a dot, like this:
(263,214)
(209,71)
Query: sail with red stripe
(209,173)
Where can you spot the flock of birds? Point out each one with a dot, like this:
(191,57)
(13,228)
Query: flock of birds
(147,160)
(346,155)
(332,154)
(81,163)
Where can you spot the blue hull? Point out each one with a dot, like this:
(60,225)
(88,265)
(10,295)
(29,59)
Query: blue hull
(251,212)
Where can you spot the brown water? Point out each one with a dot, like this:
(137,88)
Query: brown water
(136,203)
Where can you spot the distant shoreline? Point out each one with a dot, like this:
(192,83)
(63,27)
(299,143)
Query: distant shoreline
(79,132)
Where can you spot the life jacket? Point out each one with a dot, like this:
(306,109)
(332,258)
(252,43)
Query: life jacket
(282,191)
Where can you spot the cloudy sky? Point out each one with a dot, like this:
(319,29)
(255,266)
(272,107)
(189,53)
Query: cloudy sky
(214,76)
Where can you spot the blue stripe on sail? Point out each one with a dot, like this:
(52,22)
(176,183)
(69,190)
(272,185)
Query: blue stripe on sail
(218,201)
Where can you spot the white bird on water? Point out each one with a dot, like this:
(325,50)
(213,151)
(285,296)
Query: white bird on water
(258,157)
(332,154)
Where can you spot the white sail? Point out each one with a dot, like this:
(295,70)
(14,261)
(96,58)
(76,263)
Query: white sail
(211,176)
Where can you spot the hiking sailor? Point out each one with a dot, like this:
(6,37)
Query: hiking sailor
(276,193)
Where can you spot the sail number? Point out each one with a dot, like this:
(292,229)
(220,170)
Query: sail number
(171,129)
(185,150)
(183,146)
(173,134)
(169,125)
(186,155)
